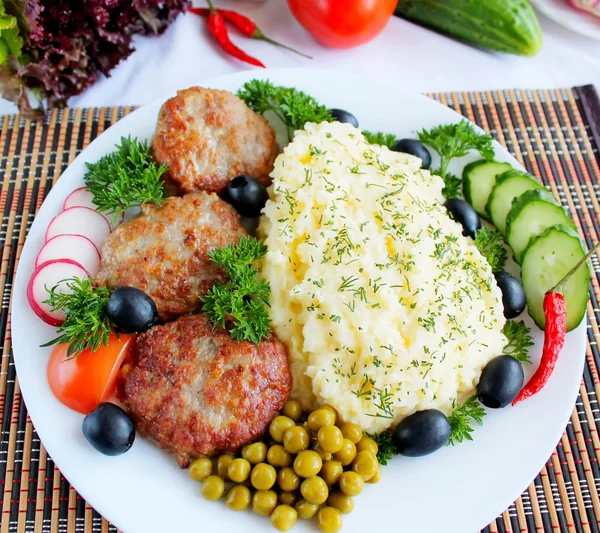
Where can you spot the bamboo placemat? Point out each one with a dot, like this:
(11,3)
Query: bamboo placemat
(554,134)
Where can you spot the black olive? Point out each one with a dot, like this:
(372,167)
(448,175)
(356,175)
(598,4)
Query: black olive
(414,147)
(247,195)
(422,433)
(131,310)
(500,382)
(465,215)
(109,429)
(342,115)
(513,295)
(250,225)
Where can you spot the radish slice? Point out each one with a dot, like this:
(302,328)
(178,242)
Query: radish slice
(84,221)
(82,197)
(49,274)
(76,247)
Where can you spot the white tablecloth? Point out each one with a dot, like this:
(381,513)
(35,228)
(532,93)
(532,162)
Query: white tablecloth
(406,54)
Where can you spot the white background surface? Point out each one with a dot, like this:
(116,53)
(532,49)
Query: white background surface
(404,54)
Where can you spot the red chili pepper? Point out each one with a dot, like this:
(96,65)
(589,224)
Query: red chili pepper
(216,26)
(555,311)
(245,25)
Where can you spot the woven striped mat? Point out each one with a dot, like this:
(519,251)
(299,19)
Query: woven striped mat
(555,134)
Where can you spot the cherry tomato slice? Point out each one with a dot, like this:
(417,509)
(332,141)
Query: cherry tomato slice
(85,381)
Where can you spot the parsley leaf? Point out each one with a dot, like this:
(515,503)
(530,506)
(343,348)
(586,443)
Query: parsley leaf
(461,419)
(455,140)
(293,107)
(243,300)
(519,340)
(453,186)
(491,246)
(86,324)
(379,137)
(127,177)
(387,448)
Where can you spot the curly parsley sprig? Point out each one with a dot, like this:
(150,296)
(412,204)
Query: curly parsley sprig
(451,141)
(244,299)
(127,177)
(293,107)
(86,324)
(519,340)
(452,184)
(379,137)
(491,246)
(387,448)
(462,418)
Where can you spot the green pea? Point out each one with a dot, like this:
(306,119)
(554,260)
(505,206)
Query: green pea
(284,517)
(255,453)
(329,520)
(213,488)
(264,502)
(200,468)
(263,476)
(238,497)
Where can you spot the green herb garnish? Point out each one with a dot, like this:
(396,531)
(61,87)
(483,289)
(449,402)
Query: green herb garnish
(244,298)
(452,184)
(387,448)
(379,137)
(86,324)
(519,340)
(293,107)
(456,140)
(491,246)
(451,141)
(461,419)
(127,177)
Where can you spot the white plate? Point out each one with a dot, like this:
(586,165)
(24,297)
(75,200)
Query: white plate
(458,489)
(562,13)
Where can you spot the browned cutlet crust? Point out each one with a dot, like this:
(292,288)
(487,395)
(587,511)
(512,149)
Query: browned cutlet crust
(195,391)
(163,251)
(206,137)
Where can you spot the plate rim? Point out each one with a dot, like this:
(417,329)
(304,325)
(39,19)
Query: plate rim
(139,112)
(584,26)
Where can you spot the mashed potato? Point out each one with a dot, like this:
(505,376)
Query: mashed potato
(385,308)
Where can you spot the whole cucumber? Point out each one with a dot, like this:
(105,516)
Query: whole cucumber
(505,25)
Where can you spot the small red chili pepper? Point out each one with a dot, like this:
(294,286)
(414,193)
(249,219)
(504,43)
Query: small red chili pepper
(555,311)
(245,25)
(216,26)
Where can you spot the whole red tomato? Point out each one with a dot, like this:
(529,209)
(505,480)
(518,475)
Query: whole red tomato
(343,23)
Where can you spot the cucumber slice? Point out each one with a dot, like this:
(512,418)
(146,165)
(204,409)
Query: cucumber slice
(509,186)
(532,213)
(546,260)
(478,179)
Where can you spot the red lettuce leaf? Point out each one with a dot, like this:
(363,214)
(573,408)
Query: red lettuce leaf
(69,42)
(12,87)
